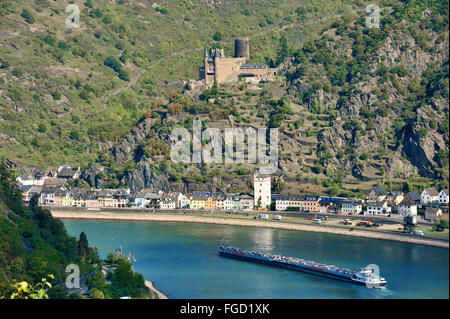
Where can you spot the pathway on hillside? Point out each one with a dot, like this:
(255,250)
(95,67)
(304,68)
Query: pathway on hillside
(189,50)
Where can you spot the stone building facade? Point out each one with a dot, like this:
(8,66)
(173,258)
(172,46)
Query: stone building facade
(221,69)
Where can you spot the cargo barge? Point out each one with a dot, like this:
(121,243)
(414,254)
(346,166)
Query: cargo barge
(364,276)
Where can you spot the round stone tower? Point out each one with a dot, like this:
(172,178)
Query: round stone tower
(242,48)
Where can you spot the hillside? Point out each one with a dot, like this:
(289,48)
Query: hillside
(356,107)
(33,243)
(61,103)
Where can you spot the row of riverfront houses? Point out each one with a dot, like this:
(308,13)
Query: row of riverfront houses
(52,191)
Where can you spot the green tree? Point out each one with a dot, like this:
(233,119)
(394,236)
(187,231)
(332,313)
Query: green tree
(125,282)
(98,281)
(42,128)
(283,50)
(217,36)
(83,245)
(27,16)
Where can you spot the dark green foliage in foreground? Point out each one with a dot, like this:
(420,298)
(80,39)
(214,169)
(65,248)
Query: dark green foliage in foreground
(32,243)
(125,282)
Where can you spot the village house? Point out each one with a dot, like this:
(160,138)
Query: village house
(67,172)
(323,206)
(148,198)
(443,196)
(407,207)
(224,202)
(106,198)
(220,202)
(37,179)
(210,203)
(246,202)
(378,208)
(67,199)
(140,200)
(91,200)
(432,213)
(351,207)
(429,195)
(377,194)
(51,196)
(197,201)
(414,196)
(310,204)
(181,200)
(25,180)
(236,202)
(168,201)
(228,202)
(120,198)
(333,209)
(283,202)
(395,197)
(78,199)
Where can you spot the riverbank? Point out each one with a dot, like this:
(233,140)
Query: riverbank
(152,287)
(159,217)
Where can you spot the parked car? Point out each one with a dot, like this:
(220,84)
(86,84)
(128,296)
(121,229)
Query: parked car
(365,223)
(277,217)
(347,222)
(418,233)
(317,221)
(264,216)
(309,218)
(377,225)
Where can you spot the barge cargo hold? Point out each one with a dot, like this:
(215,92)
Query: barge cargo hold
(364,276)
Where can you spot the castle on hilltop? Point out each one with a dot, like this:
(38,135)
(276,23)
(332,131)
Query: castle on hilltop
(220,69)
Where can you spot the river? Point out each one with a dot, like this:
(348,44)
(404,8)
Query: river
(182,261)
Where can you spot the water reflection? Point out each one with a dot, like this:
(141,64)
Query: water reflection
(182,259)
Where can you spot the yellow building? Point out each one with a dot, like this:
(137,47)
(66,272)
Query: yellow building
(78,201)
(67,200)
(198,201)
(210,203)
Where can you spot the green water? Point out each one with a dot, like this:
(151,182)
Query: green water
(181,259)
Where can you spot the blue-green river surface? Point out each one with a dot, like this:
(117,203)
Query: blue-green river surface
(182,261)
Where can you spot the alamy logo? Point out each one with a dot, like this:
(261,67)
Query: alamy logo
(232,144)
(373,19)
(375,275)
(73,20)
(73,279)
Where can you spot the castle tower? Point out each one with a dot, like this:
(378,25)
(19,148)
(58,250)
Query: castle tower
(262,191)
(242,48)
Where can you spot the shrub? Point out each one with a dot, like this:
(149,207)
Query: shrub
(217,36)
(42,128)
(27,16)
(123,75)
(56,95)
(17,72)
